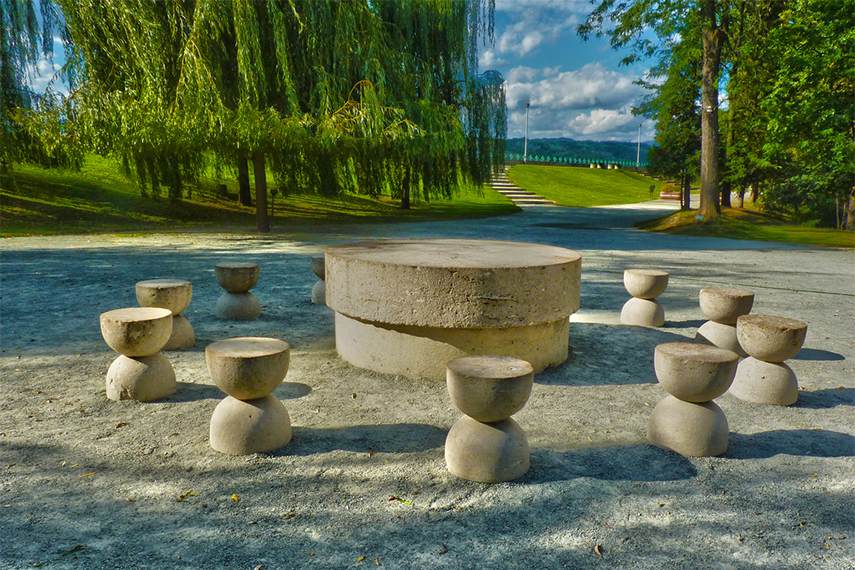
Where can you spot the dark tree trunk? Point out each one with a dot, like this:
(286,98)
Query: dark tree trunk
(713,37)
(755,191)
(741,195)
(262,222)
(405,190)
(244,194)
(685,191)
(850,210)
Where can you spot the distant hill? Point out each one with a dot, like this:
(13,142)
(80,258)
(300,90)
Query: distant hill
(570,148)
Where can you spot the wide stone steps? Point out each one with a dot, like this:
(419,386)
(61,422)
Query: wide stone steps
(501,184)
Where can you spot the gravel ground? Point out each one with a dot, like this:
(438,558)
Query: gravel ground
(90,483)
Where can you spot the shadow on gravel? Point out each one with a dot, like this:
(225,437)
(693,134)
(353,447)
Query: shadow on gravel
(292,390)
(807,442)
(611,463)
(192,392)
(683,324)
(607,355)
(824,399)
(381,438)
(817,354)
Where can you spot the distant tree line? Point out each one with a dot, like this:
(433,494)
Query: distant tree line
(786,71)
(603,151)
(364,96)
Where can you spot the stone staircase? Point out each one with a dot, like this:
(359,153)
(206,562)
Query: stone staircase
(501,184)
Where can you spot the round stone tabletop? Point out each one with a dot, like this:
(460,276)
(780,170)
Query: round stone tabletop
(453,283)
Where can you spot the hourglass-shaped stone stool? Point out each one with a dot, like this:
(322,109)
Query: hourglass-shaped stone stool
(175,295)
(722,307)
(687,420)
(764,377)
(486,444)
(319,290)
(250,419)
(237,303)
(140,372)
(644,285)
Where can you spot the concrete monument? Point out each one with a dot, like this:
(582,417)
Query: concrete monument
(250,419)
(175,295)
(237,303)
(644,285)
(764,377)
(319,290)
(722,307)
(687,420)
(409,306)
(140,372)
(486,444)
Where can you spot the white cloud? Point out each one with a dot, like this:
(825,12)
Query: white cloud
(44,74)
(591,102)
(569,6)
(531,30)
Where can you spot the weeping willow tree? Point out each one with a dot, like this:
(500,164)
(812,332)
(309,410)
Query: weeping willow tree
(31,124)
(364,96)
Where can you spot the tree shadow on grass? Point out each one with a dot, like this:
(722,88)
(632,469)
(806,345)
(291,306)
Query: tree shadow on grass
(381,438)
(638,462)
(807,442)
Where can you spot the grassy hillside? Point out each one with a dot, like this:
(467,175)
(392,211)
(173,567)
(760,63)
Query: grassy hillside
(746,224)
(581,187)
(100,198)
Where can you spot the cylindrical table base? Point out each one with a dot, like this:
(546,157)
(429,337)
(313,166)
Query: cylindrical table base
(423,352)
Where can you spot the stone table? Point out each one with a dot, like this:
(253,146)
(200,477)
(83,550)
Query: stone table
(409,306)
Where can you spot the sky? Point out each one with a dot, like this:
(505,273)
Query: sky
(577,88)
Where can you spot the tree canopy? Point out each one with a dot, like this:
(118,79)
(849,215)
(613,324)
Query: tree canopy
(365,96)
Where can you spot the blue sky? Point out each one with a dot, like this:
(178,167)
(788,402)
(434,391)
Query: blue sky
(577,89)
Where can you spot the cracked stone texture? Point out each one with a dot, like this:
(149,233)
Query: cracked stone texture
(89,483)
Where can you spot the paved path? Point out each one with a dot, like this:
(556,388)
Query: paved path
(88,483)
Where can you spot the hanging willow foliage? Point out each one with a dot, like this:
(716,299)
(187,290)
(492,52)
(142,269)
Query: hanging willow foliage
(366,96)
(30,123)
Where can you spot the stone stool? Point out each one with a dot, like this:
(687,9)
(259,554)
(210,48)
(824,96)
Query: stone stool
(140,372)
(319,291)
(237,303)
(763,377)
(687,421)
(250,419)
(486,444)
(722,307)
(644,285)
(175,295)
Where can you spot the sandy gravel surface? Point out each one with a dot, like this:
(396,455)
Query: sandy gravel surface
(89,483)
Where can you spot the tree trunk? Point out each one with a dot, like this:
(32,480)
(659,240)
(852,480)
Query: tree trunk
(405,190)
(741,202)
(713,38)
(262,222)
(755,191)
(244,194)
(850,210)
(685,191)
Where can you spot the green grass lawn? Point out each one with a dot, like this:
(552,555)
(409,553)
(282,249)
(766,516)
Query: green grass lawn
(100,198)
(749,224)
(582,187)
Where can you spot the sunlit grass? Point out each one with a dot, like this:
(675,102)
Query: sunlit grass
(584,187)
(100,198)
(750,224)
